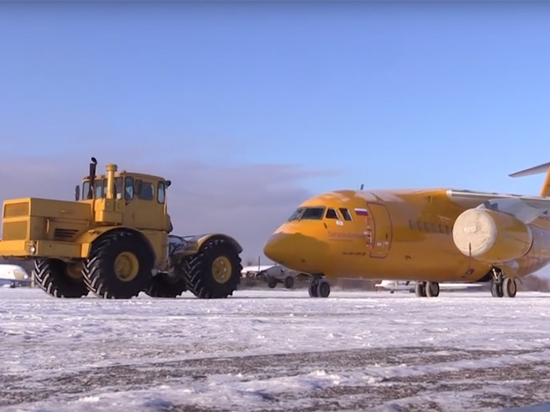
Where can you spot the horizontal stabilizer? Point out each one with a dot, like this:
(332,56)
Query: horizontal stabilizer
(543,168)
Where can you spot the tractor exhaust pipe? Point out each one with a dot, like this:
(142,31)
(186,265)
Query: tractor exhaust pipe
(91,191)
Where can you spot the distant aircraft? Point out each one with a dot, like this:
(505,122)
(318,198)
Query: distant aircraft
(411,286)
(429,236)
(13,276)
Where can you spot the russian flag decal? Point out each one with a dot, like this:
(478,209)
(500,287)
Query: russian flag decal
(361,212)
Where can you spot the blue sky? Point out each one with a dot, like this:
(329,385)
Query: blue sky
(386,94)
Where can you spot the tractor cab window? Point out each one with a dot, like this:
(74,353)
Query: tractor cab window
(118,188)
(161,192)
(129,188)
(145,190)
(85,189)
(100,188)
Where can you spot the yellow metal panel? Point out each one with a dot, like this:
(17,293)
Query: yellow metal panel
(37,228)
(15,230)
(44,249)
(57,249)
(14,248)
(16,209)
(159,243)
(104,216)
(60,209)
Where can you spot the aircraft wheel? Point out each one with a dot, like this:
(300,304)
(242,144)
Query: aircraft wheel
(289,282)
(271,282)
(323,289)
(420,289)
(432,289)
(496,289)
(313,288)
(509,287)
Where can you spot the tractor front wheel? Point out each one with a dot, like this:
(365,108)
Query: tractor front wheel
(119,266)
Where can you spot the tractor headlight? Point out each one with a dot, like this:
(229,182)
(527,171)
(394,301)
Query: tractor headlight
(32,249)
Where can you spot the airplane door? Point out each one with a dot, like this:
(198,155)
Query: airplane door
(382,229)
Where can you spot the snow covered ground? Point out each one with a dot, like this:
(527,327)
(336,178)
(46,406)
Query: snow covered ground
(275,350)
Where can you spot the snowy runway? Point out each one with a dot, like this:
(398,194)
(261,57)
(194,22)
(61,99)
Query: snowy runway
(274,350)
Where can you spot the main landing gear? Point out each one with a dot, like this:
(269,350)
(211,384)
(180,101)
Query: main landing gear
(318,287)
(502,286)
(426,289)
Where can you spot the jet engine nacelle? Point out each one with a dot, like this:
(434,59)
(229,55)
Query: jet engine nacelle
(491,236)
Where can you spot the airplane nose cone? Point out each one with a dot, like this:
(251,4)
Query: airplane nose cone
(277,247)
(296,251)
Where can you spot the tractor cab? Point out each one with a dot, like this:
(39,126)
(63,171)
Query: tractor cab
(130,199)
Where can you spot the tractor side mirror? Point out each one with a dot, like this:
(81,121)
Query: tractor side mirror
(168,183)
(77,193)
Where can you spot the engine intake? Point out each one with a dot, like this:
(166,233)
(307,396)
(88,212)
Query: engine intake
(491,236)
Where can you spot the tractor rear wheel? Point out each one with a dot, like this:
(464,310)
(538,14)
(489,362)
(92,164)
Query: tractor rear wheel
(59,279)
(215,271)
(119,266)
(164,286)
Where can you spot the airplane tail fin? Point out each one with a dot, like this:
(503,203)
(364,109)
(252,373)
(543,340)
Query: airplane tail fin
(543,168)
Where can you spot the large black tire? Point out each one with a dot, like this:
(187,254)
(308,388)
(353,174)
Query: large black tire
(52,277)
(289,282)
(99,269)
(496,289)
(313,289)
(432,289)
(164,286)
(509,288)
(271,282)
(323,289)
(199,272)
(420,289)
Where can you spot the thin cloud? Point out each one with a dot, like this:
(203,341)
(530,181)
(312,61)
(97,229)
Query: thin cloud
(247,201)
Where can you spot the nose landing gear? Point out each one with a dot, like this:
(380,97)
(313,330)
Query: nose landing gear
(502,286)
(318,287)
(427,289)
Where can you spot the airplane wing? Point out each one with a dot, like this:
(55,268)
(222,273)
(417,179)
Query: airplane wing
(525,208)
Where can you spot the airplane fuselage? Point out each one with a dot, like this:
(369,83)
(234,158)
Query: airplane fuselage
(390,234)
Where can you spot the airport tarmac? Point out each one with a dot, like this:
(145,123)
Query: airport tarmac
(275,350)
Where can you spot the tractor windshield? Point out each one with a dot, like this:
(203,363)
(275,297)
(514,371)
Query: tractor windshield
(101,188)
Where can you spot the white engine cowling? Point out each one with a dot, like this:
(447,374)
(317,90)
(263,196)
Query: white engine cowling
(491,236)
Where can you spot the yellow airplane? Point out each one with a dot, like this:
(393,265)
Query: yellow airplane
(428,236)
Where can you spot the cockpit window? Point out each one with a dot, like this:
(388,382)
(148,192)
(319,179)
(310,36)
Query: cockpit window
(313,213)
(331,214)
(309,213)
(296,215)
(345,212)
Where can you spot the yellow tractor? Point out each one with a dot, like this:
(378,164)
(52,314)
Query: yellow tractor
(114,240)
